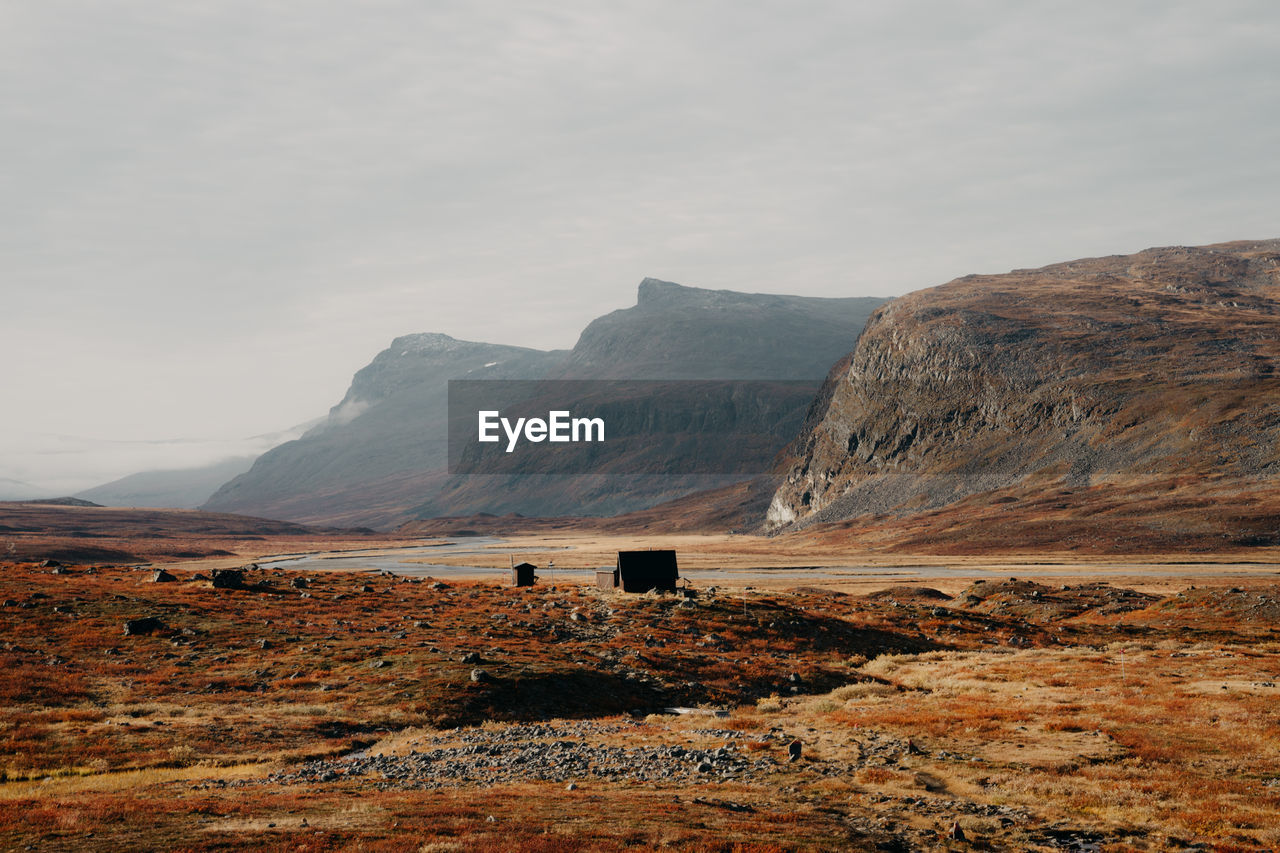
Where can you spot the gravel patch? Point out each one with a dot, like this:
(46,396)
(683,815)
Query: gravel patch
(568,752)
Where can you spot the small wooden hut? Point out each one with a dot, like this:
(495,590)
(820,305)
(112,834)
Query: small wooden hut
(523,574)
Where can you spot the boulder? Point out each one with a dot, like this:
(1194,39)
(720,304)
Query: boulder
(143,625)
(161,576)
(228,579)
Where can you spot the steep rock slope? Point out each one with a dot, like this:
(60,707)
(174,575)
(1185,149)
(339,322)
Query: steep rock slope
(1141,374)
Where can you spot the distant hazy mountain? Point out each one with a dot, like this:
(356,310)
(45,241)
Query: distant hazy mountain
(379,458)
(185,488)
(17,490)
(383,448)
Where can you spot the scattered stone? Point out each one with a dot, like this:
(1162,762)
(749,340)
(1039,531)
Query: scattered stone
(299,583)
(161,576)
(564,752)
(793,750)
(480,676)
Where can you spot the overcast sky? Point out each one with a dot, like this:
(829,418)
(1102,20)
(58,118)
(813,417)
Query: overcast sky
(214,213)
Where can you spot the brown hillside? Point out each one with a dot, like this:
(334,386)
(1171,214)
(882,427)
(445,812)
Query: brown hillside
(1108,404)
(92,534)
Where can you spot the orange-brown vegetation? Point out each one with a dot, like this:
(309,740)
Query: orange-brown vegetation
(1186,514)
(92,534)
(1035,717)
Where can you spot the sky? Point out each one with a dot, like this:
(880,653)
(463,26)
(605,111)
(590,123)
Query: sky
(214,213)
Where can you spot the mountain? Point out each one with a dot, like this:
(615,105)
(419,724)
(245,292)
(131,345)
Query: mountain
(1086,405)
(185,488)
(676,332)
(19,490)
(383,447)
(380,457)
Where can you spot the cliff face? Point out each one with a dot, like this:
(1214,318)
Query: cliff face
(1115,371)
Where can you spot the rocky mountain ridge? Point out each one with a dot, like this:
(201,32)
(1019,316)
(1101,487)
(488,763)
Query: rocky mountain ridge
(1149,371)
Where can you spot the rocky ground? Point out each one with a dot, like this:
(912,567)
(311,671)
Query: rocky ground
(547,752)
(332,711)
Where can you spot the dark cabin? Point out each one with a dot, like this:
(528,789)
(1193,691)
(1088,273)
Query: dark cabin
(523,574)
(641,571)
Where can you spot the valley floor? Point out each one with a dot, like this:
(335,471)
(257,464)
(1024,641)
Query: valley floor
(339,710)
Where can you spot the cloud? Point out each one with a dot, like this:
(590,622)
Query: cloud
(216,212)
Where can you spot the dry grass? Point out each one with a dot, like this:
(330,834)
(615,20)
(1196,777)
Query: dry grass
(1128,729)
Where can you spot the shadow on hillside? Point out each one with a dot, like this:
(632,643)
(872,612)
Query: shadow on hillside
(574,693)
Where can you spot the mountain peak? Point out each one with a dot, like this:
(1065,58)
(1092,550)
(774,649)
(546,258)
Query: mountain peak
(656,293)
(424,341)
(656,290)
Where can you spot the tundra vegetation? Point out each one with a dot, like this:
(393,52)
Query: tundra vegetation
(357,711)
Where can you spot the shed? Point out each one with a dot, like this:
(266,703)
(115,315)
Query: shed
(641,571)
(607,579)
(523,574)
